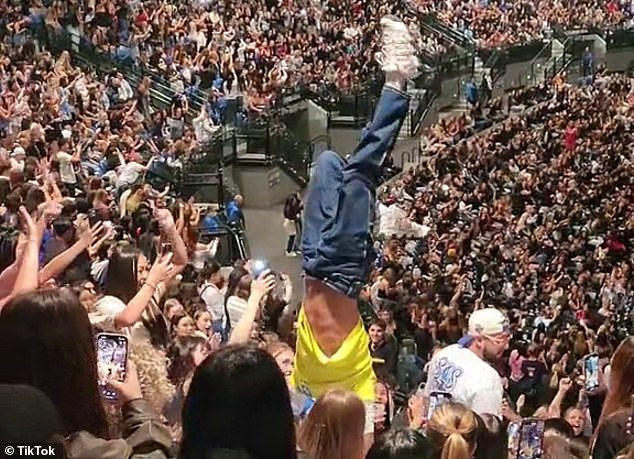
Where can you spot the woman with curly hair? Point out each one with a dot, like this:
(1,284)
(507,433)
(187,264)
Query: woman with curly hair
(184,354)
(157,389)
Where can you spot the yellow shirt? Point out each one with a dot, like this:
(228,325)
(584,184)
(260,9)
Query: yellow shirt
(349,368)
(132,203)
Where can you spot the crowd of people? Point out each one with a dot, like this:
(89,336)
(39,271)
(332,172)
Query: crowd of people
(260,50)
(120,329)
(534,217)
(493,24)
(226,50)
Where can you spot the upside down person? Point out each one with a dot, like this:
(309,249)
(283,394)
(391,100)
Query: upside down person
(332,345)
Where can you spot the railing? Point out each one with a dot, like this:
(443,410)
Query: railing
(618,38)
(425,102)
(456,36)
(259,142)
(541,51)
(496,65)
(412,156)
(85,54)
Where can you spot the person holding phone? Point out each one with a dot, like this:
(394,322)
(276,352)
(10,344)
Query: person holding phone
(337,252)
(59,356)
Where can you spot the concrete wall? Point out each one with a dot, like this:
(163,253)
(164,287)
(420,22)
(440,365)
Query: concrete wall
(298,124)
(619,60)
(262,186)
(317,119)
(344,140)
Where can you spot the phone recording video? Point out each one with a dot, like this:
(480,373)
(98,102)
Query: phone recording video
(513,435)
(525,440)
(112,357)
(258,267)
(435,400)
(591,372)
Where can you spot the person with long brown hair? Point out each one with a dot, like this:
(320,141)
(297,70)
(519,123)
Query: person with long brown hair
(453,430)
(57,355)
(611,435)
(334,427)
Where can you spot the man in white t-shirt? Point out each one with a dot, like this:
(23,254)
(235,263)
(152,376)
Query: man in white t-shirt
(66,160)
(462,370)
(130,174)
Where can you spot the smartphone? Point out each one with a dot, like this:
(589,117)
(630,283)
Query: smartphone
(93,217)
(531,439)
(591,372)
(112,358)
(280,286)
(435,400)
(513,434)
(258,267)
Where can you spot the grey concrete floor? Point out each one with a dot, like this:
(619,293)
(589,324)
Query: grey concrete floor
(267,241)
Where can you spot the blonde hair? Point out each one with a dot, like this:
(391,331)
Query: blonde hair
(454,430)
(152,369)
(334,427)
(276,348)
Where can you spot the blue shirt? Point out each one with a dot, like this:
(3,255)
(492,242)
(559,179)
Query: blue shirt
(209,223)
(233,211)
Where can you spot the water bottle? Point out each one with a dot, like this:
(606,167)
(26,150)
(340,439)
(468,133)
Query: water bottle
(301,404)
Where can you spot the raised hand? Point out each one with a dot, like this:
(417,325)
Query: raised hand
(162,270)
(88,234)
(263,284)
(34,230)
(165,220)
(130,388)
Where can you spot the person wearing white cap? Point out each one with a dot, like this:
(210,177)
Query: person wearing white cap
(462,370)
(17,158)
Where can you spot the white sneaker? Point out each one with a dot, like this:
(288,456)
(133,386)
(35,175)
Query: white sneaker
(397,54)
(291,254)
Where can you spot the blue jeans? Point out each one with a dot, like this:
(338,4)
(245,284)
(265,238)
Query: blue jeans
(340,202)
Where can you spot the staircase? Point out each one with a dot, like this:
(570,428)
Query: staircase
(84,54)
(553,64)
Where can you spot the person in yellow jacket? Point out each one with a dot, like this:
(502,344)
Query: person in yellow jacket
(332,345)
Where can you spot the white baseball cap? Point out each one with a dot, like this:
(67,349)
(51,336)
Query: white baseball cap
(18,151)
(486,322)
